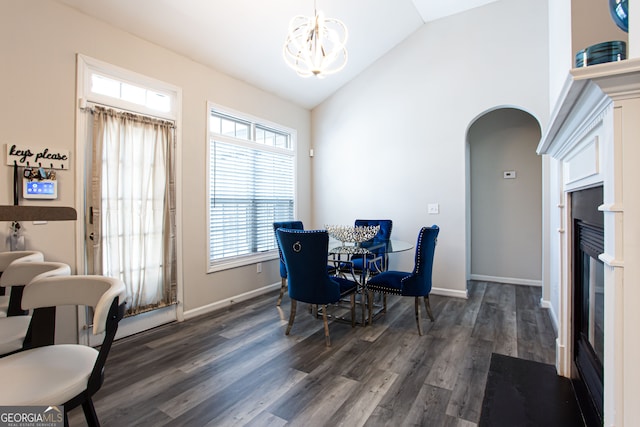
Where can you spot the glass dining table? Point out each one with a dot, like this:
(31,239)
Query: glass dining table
(374,256)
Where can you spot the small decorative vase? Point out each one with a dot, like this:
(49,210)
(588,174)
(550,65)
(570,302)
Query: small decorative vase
(620,13)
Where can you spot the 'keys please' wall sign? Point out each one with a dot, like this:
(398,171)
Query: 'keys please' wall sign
(45,157)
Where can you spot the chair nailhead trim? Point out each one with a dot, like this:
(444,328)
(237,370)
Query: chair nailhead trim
(385,289)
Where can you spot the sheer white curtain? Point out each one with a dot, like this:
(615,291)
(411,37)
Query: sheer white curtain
(133,192)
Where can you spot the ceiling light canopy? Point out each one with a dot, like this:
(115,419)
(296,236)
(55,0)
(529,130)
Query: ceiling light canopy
(315,46)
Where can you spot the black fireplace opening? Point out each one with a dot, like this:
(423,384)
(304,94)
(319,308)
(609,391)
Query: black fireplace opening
(588,302)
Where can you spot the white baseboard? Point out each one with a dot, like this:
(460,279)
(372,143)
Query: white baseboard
(229,301)
(508,280)
(552,314)
(248,295)
(450,293)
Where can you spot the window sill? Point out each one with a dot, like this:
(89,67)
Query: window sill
(242,261)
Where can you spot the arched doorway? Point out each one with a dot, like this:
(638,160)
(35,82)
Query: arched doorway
(504,177)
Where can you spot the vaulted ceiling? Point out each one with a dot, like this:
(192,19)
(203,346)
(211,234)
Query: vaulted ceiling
(244,38)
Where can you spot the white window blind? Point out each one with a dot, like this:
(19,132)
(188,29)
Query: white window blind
(251,185)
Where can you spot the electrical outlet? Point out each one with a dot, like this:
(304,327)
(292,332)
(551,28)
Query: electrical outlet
(259,267)
(433,208)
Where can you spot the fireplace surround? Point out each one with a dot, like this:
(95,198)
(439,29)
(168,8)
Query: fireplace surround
(593,140)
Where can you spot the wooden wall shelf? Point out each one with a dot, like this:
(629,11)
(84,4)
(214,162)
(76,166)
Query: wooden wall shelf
(37,213)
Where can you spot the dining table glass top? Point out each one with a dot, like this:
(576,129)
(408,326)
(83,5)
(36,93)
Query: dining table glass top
(337,247)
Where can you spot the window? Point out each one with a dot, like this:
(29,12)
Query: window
(130,93)
(251,185)
(109,85)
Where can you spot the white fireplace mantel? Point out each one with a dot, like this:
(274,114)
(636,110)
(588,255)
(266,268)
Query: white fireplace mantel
(593,138)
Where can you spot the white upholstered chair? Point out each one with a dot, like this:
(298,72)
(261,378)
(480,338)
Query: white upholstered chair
(64,374)
(6,258)
(13,329)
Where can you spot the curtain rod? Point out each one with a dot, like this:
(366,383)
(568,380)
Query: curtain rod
(89,106)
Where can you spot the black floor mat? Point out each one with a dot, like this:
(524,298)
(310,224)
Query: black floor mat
(520,392)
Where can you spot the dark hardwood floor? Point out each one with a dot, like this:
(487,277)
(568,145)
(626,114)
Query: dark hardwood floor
(237,367)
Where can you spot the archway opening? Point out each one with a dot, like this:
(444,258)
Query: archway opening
(504,198)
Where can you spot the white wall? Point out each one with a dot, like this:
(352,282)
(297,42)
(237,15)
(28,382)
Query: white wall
(39,41)
(560,56)
(560,61)
(393,140)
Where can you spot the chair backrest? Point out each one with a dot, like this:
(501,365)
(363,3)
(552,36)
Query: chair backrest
(419,282)
(21,273)
(291,225)
(383,235)
(7,258)
(385,227)
(305,255)
(104,294)
(98,292)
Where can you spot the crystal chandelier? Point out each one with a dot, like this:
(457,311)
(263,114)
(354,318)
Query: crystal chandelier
(315,46)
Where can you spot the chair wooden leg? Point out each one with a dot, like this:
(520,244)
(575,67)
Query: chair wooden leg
(292,316)
(283,288)
(14,308)
(90,413)
(427,305)
(417,304)
(384,303)
(327,340)
(370,298)
(353,310)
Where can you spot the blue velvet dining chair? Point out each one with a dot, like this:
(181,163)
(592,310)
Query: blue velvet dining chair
(416,283)
(305,257)
(294,225)
(378,259)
